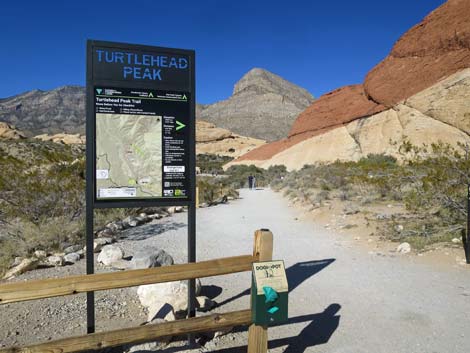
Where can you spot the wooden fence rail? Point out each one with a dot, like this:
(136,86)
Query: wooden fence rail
(138,334)
(54,287)
(31,290)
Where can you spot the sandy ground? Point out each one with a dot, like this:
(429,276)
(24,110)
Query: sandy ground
(365,230)
(343,296)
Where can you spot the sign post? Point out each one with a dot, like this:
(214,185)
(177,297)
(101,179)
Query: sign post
(140,145)
(466,235)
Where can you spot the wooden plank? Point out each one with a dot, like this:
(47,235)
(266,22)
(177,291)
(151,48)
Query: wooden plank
(263,249)
(257,339)
(21,291)
(138,334)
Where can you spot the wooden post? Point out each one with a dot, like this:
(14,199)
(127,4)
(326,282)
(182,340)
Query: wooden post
(263,248)
(197,196)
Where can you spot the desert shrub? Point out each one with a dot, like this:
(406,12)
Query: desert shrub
(42,198)
(238,175)
(211,163)
(213,189)
(430,180)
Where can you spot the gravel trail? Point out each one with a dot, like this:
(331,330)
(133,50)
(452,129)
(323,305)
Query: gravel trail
(342,298)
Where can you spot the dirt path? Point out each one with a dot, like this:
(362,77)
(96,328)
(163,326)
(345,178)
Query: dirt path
(342,297)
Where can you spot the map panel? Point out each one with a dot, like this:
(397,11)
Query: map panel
(128,156)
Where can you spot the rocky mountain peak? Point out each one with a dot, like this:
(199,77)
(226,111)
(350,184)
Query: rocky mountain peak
(261,81)
(263,105)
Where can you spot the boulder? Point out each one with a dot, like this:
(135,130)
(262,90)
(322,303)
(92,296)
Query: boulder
(115,226)
(154,297)
(40,254)
(110,254)
(404,248)
(150,257)
(131,221)
(55,260)
(24,266)
(71,258)
(105,233)
(72,249)
(98,243)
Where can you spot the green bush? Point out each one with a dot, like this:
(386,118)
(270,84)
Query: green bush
(211,163)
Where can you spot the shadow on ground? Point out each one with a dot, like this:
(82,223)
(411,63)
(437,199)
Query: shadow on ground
(320,329)
(211,291)
(296,275)
(149,230)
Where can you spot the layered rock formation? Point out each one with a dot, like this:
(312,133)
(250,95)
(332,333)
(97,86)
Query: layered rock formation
(66,139)
(10,132)
(419,93)
(437,47)
(263,105)
(213,140)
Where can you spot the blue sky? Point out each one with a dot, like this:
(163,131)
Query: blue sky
(319,45)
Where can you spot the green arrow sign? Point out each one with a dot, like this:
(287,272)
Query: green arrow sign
(179,125)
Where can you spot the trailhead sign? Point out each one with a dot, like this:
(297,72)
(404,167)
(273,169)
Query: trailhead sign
(141,109)
(140,137)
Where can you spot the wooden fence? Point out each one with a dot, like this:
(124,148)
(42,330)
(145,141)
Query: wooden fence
(32,290)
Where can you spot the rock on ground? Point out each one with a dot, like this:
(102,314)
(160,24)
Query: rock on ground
(110,254)
(404,248)
(150,257)
(71,258)
(25,265)
(156,297)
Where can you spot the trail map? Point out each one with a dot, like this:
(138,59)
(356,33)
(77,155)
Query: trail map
(128,156)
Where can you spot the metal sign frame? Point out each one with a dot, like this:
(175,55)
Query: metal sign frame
(91,200)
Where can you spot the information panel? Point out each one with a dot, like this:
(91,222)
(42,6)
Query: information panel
(141,109)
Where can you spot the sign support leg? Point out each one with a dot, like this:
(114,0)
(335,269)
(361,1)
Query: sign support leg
(191,258)
(466,237)
(90,268)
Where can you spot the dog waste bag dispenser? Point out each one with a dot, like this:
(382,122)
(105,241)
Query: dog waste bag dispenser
(269,297)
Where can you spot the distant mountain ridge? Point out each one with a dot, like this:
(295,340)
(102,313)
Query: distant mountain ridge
(263,105)
(61,110)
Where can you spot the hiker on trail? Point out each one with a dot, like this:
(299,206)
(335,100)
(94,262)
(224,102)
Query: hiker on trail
(250,182)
